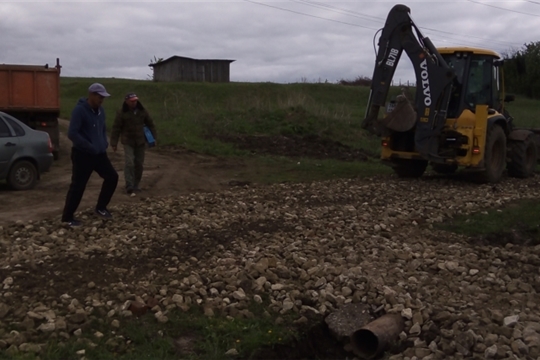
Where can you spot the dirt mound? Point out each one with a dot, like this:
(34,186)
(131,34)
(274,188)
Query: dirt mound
(311,146)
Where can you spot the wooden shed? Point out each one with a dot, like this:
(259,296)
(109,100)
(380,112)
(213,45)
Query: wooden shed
(180,68)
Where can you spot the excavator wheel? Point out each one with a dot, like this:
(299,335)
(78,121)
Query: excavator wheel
(445,169)
(494,156)
(408,168)
(523,158)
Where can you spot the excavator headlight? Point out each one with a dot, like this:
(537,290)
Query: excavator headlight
(384,143)
(476,150)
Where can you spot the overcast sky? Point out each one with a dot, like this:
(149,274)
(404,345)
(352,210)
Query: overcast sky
(275,41)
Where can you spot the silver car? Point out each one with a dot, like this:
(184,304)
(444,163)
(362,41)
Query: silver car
(24,153)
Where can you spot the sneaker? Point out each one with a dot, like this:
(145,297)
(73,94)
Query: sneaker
(104,213)
(137,189)
(73,223)
(129,191)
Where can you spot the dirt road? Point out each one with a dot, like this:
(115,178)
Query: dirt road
(164,174)
(167,172)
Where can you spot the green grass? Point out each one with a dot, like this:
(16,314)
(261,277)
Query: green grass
(526,112)
(186,112)
(192,114)
(208,338)
(520,217)
(268,170)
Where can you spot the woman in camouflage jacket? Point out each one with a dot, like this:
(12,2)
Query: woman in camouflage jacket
(129,127)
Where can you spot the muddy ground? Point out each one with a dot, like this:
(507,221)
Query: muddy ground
(164,175)
(168,171)
(311,146)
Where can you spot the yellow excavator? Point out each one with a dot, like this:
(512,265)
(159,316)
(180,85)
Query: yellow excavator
(457,117)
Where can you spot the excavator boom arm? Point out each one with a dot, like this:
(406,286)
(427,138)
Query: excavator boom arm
(433,80)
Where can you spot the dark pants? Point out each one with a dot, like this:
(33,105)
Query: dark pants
(83,166)
(133,169)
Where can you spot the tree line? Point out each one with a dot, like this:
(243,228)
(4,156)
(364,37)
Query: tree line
(522,70)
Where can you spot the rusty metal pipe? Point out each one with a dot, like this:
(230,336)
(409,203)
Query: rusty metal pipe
(372,339)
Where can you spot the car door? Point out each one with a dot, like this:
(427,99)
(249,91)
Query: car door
(8,145)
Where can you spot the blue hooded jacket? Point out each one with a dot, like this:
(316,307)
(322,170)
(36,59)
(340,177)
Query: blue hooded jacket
(87,128)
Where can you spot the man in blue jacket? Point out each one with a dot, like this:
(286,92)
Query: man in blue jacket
(88,133)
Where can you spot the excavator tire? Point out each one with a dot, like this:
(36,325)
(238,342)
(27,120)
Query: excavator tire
(445,169)
(523,158)
(494,156)
(408,168)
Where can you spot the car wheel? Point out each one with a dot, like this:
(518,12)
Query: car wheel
(23,175)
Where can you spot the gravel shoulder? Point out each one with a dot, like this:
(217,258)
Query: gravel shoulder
(311,248)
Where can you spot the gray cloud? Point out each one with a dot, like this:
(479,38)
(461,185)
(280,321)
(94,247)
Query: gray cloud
(295,42)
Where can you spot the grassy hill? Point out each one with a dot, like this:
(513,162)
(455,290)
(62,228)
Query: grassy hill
(205,118)
(185,113)
(210,118)
(186,110)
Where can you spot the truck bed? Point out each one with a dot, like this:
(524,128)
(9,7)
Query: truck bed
(29,88)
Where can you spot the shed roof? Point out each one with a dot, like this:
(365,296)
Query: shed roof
(183,57)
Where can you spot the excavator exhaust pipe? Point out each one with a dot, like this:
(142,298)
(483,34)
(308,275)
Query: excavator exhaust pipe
(373,338)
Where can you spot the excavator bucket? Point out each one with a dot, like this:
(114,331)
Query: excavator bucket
(402,118)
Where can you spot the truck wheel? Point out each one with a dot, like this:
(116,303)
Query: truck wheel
(523,158)
(494,155)
(445,169)
(405,168)
(23,175)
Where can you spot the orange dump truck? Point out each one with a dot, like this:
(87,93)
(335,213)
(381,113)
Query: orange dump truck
(31,93)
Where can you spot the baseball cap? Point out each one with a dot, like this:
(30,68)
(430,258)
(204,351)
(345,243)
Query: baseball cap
(131,96)
(99,89)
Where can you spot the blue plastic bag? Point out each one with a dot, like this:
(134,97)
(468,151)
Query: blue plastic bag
(149,137)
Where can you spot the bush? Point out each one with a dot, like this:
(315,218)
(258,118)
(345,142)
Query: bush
(359,81)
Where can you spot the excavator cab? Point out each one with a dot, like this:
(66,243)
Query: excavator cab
(476,81)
